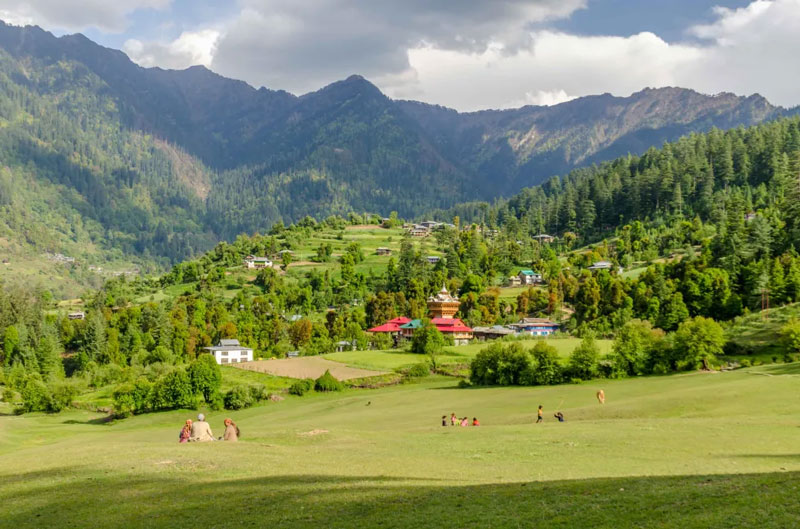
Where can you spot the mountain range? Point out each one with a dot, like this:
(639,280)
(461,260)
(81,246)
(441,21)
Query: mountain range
(164,163)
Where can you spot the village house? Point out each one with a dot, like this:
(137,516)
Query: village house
(433,259)
(544,238)
(514,281)
(529,277)
(491,333)
(535,326)
(257,263)
(430,224)
(601,265)
(383,251)
(418,231)
(76,316)
(230,352)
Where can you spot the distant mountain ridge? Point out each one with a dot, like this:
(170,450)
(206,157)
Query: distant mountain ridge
(240,158)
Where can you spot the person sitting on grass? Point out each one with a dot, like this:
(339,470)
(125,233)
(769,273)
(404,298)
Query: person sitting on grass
(453,420)
(201,430)
(231,431)
(444,420)
(475,422)
(464,422)
(186,432)
(559,416)
(540,418)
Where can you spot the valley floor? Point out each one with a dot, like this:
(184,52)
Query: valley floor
(692,450)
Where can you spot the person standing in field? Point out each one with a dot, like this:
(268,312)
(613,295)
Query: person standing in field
(540,417)
(444,420)
(601,397)
(453,419)
(201,430)
(231,431)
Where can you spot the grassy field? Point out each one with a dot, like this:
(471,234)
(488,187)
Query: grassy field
(759,333)
(694,450)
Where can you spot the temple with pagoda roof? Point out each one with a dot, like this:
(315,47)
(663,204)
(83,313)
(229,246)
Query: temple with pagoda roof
(443,305)
(442,309)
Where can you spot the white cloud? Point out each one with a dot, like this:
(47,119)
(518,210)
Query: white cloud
(300,46)
(75,15)
(189,49)
(546,98)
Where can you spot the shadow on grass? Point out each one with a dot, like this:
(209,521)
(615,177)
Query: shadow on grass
(95,498)
(105,419)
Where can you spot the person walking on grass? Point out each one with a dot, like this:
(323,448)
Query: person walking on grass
(201,430)
(540,417)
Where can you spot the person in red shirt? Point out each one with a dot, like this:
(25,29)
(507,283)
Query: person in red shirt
(475,422)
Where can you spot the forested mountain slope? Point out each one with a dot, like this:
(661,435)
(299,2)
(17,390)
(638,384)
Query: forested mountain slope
(163,163)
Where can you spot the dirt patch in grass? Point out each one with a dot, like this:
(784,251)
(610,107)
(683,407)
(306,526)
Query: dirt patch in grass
(362,227)
(307,367)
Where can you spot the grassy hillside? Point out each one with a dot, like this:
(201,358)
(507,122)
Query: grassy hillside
(658,454)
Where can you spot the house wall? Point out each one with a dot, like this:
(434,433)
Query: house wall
(233,357)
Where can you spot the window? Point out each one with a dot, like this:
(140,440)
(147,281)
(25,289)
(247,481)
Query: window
(224,361)
(224,353)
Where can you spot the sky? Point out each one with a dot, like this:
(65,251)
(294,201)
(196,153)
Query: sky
(464,54)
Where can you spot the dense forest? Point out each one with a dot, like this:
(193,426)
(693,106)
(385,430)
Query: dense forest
(104,159)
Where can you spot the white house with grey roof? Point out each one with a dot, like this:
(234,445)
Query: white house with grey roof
(230,352)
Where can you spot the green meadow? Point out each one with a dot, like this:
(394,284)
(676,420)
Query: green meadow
(692,450)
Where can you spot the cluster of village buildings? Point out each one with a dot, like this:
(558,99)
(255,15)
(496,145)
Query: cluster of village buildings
(442,309)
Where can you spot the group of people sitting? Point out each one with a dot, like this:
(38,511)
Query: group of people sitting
(200,431)
(455,421)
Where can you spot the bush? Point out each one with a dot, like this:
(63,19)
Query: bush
(327,382)
(173,390)
(206,376)
(259,392)
(418,371)
(546,368)
(62,393)
(106,374)
(124,403)
(10,396)
(463,383)
(498,364)
(238,398)
(583,360)
(744,362)
(35,395)
(301,387)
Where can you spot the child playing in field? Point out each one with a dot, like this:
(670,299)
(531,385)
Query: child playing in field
(444,420)
(186,432)
(475,422)
(453,420)
(559,416)
(464,422)
(601,397)
(540,418)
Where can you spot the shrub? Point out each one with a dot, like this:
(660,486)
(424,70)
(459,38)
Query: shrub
(238,398)
(124,402)
(206,376)
(62,393)
(546,368)
(259,392)
(106,374)
(10,396)
(301,387)
(327,382)
(744,362)
(173,390)
(463,383)
(35,395)
(583,360)
(500,365)
(418,371)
